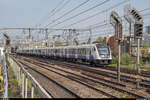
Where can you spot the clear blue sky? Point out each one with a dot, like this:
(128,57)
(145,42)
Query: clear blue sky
(25,13)
(28,13)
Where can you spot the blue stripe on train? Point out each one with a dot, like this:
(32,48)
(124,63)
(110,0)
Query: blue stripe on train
(91,57)
(81,56)
(71,56)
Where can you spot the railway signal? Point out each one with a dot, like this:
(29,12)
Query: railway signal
(134,16)
(138,29)
(137,19)
(116,22)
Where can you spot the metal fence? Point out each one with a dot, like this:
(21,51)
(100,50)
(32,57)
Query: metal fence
(23,76)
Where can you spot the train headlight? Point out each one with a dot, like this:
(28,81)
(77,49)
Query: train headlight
(102,56)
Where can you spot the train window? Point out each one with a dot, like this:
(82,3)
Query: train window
(84,50)
(90,51)
(56,50)
(52,51)
(94,49)
(61,51)
(79,51)
(69,51)
(72,51)
(46,51)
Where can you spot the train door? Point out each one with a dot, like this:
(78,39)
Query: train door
(94,53)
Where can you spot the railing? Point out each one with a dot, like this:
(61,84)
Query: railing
(4,85)
(23,76)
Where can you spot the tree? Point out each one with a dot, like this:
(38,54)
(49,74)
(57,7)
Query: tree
(58,43)
(145,50)
(100,39)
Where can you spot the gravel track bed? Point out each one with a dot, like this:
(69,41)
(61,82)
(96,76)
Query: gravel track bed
(116,93)
(81,90)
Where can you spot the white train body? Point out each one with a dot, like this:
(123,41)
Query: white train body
(93,53)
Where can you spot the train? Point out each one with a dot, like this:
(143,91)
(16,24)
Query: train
(98,53)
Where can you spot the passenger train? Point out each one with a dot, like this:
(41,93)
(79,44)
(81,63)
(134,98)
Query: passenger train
(93,53)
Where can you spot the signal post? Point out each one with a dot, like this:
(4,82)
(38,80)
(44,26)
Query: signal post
(116,21)
(138,31)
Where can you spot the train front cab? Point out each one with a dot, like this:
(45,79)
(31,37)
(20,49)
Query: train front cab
(104,54)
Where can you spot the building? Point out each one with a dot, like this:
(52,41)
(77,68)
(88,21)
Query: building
(148,29)
(146,39)
(125,45)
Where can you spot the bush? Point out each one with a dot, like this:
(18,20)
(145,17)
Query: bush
(125,59)
(114,60)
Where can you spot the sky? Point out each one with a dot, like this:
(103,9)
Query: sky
(32,13)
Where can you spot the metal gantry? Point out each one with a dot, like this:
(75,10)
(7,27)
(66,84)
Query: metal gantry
(70,34)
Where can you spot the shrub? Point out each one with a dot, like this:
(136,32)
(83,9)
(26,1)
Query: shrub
(114,60)
(125,59)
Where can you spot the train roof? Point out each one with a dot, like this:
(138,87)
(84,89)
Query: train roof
(77,46)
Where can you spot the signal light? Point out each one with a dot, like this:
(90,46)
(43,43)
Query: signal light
(138,29)
(136,14)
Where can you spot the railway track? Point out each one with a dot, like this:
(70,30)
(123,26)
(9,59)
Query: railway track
(52,85)
(81,82)
(145,81)
(89,78)
(129,71)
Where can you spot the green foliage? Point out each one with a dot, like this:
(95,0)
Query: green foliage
(114,60)
(145,46)
(125,59)
(141,62)
(58,43)
(145,50)
(101,39)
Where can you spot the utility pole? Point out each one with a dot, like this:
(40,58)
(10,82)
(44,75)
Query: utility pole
(130,47)
(46,37)
(90,36)
(119,49)
(138,56)
(29,33)
(29,37)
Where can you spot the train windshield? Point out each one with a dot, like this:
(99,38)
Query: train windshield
(103,50)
